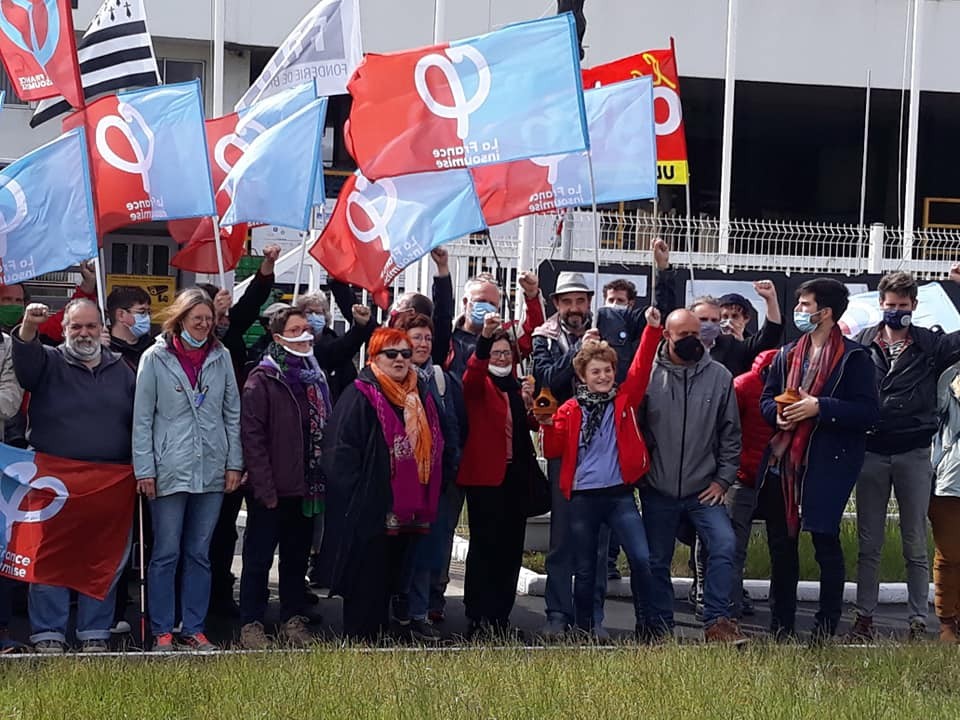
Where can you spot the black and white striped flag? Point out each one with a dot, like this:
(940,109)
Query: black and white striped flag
(115,53)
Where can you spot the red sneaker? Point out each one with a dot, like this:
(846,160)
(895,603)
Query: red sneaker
(163,643)
(197,643)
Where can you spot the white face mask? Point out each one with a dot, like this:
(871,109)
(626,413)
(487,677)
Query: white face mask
(498,371)
(304,337)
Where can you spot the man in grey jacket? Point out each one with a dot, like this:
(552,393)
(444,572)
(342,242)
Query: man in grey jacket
(693,431)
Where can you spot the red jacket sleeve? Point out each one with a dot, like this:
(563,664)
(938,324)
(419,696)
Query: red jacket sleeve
(556,436)
(532,319)
(638,376)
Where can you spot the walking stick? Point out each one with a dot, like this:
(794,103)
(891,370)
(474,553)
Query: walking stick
(143,579)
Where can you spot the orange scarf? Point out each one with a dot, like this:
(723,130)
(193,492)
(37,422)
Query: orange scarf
(404,395)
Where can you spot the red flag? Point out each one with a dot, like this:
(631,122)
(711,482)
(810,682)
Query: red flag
(65,522)
(39,51)
(511,190)
(199,252)
(672,168)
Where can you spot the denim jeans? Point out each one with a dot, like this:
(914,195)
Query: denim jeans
(661,516)
(49,611)
(910,476)
(431,560)
(451,504)
(183,525)
(558,595)
(785,566)
(617,509)
(740,502)
(284,526)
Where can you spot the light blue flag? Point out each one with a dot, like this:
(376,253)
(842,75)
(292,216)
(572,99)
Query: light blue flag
(279,178)
(46,210)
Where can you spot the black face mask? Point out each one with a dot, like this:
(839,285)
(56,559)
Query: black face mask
(689,349)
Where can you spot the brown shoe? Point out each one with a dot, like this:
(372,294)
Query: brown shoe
(950,630)
(294,631)
(725,630)
(253,637)
(861,631)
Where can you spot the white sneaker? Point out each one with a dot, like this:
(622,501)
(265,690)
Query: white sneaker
(121,628)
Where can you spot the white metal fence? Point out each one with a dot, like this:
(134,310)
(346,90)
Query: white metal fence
(751,245)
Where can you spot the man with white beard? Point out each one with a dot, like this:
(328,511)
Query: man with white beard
(81,407)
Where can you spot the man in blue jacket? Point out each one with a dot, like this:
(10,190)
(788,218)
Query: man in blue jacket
(821,397)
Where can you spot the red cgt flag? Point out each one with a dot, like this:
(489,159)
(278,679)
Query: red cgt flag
(39,51)
(672,167)
(63,522)
(199,251)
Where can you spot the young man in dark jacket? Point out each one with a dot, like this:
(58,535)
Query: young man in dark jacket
(907,361)
(821,398)
(128,309)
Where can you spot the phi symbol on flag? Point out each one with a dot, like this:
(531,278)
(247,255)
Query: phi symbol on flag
(462,107)
(128,115)
(24,473)
(377,220)
(11,220)
(551,163)
(41,53)
(238,140)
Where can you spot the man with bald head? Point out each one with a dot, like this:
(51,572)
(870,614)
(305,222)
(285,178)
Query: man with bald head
(692,423)
(81,407)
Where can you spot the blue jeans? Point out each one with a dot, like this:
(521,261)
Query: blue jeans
(183,524)
(617,509)
(49,610)
(558,595)
(661,515)
(432,557)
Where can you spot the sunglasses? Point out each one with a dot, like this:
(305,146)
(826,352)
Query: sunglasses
(392,353)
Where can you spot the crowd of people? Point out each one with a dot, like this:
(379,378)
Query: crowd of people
(656,425)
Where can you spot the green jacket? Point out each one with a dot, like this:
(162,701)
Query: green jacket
(184,447)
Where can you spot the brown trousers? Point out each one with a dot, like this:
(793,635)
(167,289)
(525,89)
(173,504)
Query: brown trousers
(945,520)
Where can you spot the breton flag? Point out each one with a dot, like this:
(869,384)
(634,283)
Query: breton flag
(149,155)
(228,138)
(115,53)
(38,49)
(46,210)
(509,95)
(279,179)
(623,150)
(63,522)
(324,47)
(379,228)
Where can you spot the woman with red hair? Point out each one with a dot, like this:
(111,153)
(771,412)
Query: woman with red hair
(383,460)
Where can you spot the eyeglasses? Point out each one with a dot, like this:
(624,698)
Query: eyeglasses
(392,353)
(502,354)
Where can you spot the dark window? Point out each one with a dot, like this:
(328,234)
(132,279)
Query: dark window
(7,85)
(175,71)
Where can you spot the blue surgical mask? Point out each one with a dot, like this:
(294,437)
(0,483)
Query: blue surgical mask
(480,311)
(141,324)
(709,332)
(317,322)
(803,322)
(897,319)
(192,341)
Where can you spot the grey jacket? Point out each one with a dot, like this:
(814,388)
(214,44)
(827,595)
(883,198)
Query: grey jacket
(692,426)
(946,443)
(11,394)
(186,448)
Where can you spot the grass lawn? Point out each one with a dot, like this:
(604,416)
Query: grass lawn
(764,681)
(757,565)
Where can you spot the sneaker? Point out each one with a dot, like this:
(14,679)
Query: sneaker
(424,631)
(294,631)
(436,616)
(822,634)
(121,627)
(555,629)
(163,643)
(862,630)
(197,643)
(253,637)
(746,605)
(94,646)
(949,631)
(599,634)
(917,631)
(724,630)
(50,647)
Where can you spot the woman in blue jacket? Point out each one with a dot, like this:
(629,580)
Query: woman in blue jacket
(186,454)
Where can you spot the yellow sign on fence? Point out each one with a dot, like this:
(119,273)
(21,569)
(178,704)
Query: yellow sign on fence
(160,288)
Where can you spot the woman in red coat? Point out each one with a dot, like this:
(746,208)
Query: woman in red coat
(603,457)
(496,469)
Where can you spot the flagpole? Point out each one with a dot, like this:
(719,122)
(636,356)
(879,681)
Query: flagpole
(218,20)
(219,245)
(310,237)
(913,121)
(596,234)
(726,161)
(101,279)
(866,141)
